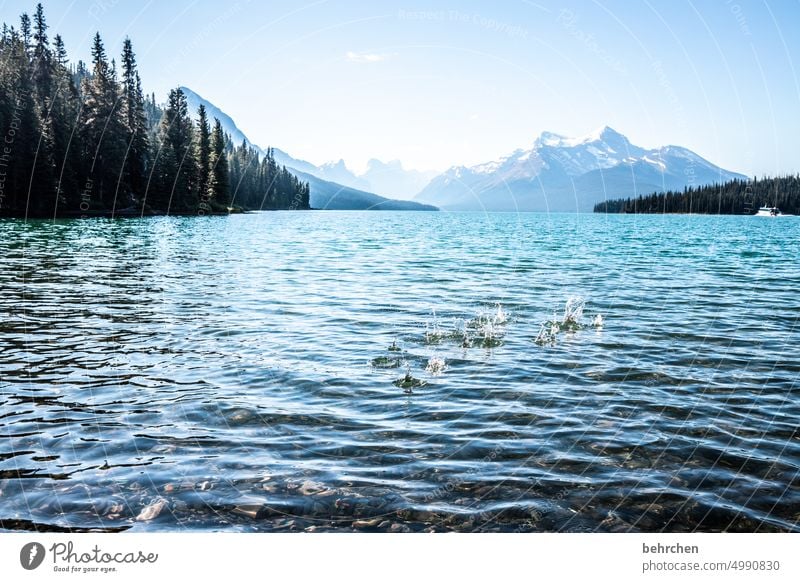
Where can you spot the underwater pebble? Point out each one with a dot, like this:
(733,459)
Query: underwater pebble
(361,523)
(311,487)
(152,510)
(247,510)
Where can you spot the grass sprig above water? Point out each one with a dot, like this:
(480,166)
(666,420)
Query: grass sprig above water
(570,322)
(409,382)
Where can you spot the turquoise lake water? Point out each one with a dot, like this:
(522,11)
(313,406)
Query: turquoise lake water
(235,373)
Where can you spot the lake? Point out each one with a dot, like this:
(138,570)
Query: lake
(371,371)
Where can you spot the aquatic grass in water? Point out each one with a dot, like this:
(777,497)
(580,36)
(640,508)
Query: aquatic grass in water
(408,382)
(387,362)
(570,322)
(436,366)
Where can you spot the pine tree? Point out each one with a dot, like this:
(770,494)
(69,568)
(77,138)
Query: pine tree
(177,167)
(64,119)
(203,152)
(43,191)
(21,130)
(103,136)
(25,29)
(218,164)
(135,125)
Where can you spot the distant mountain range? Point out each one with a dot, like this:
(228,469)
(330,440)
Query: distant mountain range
(327,191)
(388,178)
(556,173)
(570,174)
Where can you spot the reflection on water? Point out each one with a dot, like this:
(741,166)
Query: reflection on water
(381,372)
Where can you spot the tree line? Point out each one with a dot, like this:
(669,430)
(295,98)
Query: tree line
(733,197)
(78,140)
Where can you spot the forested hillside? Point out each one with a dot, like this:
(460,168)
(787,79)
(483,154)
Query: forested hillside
(734,197)
(85,140)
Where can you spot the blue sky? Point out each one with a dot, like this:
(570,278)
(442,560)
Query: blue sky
(441,83)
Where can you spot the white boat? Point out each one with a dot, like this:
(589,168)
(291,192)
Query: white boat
(770,211)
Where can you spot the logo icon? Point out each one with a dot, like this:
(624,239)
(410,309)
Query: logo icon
(31,555)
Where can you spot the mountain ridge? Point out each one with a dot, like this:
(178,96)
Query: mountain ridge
(559,173)
(325,193)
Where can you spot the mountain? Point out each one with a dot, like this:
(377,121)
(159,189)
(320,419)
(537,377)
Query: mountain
(392,179)
(570,174)
(338,172)
(327,195)
(326,191)
(388,178)
(228,125)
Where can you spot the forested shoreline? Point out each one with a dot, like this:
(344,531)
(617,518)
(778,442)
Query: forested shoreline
(734,197)
(80,140)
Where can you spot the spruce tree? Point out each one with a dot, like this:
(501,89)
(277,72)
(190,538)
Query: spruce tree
(103,136)
(135,125)
(177,168)
(218,163)
(203,152)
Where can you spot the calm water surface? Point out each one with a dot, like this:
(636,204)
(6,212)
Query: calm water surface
(234,373)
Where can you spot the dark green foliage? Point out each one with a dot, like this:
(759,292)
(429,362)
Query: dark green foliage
(203,153)
(79,141)
(175,163)
(259,183)
(135,122)
(734,197)
(218,183)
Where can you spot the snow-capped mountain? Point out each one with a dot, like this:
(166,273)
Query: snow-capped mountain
(559,173)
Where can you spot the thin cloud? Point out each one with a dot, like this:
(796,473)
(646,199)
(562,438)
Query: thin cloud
(354,57)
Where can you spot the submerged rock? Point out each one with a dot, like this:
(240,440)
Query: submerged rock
(152,510)
(364,523)
(248,510)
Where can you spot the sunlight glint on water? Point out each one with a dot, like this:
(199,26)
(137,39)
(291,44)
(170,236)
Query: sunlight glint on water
(285,371)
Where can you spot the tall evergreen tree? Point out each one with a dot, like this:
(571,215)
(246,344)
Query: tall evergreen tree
(103,135)
(203,150)
(219,187)
(43,191)
(21,130)
(135,124)
(177,167)
(25,29)
(64,119)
